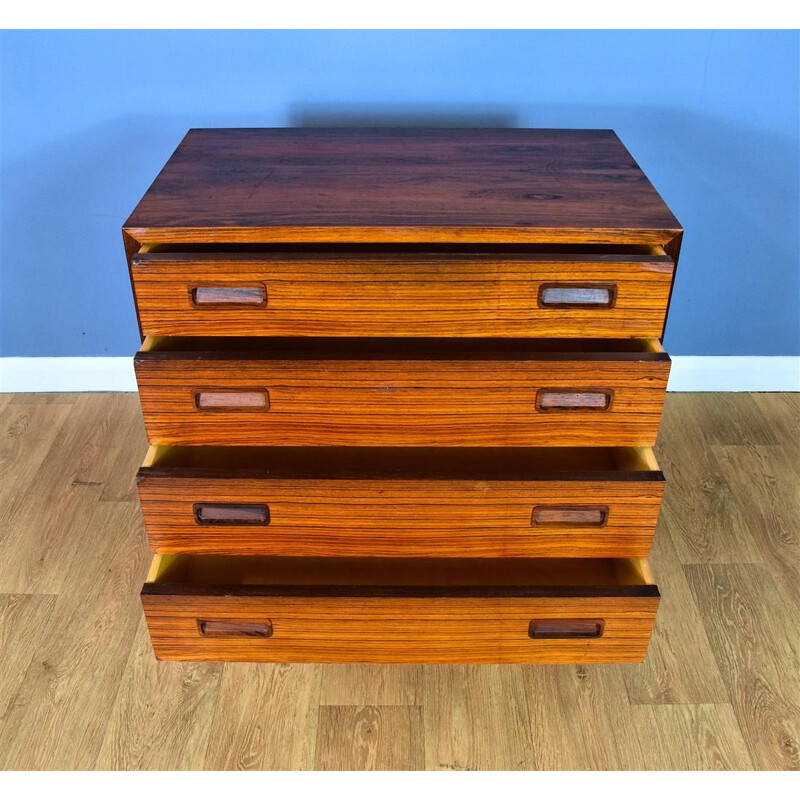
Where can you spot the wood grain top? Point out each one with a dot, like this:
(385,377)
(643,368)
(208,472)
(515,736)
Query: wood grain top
(401,185)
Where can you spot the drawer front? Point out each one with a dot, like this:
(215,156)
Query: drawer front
(239,515)
(206,294)
(420,629)
(202,399)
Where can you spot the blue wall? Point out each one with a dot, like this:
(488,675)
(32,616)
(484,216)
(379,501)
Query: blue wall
(88,118)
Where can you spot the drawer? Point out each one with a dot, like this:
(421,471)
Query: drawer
(407,392)
(228,608)
(401,502)
(566,291)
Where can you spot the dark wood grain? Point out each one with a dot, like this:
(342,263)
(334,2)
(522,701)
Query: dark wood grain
(473,502)
(227,513)
(575,515)
(458,393)
(400,293)
(226,628)
(393,185)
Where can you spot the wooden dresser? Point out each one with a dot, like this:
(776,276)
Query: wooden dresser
(401,389)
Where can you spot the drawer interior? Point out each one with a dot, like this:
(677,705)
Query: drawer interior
(413,348)
(424,463)
(343,574)
(267,249)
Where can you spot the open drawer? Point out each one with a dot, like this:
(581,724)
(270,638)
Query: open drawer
(614,291)
(217,608)
(402,392)
(414,502)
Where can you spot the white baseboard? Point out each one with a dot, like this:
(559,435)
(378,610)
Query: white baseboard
(67,374)
(734,374)
(689,374)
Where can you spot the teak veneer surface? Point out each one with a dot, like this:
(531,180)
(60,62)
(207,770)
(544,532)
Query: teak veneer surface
(421,502)
(395,611)
(497,292)
(401,185)
(462,392)
(426,630)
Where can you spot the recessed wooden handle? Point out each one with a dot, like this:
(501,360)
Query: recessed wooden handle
(229,295)
(577,296)
(572,516)
(230,627)
(567,399)
(232,399)
(566,628)
(231,513)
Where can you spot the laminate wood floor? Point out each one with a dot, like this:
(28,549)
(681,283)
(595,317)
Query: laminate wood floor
(80,689)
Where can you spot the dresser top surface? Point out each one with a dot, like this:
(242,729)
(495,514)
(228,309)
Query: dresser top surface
(401,185)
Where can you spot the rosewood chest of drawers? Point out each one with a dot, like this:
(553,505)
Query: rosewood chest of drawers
(401,389)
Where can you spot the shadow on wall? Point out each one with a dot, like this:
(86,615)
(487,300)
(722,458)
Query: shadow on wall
(398,116)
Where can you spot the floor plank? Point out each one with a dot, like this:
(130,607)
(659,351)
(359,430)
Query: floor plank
(161,718)
(476,717)
(265,717)
(27,432)
(767,479)
(690,737)
(700,506)
(782,410)
(572,711)
(727,417)
(756,645)
(24,621)
(43,398)
(680,666)
(120,481)
(371,685)
(63,706)
(37,541)
(369,738)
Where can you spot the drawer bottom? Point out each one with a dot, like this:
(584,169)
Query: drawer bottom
(217,608)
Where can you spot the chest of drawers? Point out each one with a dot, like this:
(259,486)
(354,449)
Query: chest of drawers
(401,389)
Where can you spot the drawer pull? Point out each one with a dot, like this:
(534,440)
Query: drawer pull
(229,627)
(573,399)
(231,513)
(566,628)
(583,296)
(251,400)
(572,516)
(229,296)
